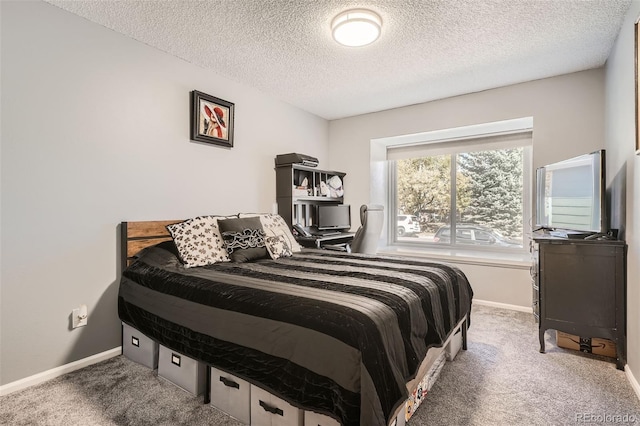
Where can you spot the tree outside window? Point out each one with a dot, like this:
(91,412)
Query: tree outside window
(486,197)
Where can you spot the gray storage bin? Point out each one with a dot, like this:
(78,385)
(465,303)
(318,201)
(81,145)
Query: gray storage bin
(138,347)
(179,369)
(454,345)
(315,419)
(231,395)
(269,410)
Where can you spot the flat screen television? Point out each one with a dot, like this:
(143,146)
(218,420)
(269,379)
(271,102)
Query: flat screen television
(334,217)
(570,195)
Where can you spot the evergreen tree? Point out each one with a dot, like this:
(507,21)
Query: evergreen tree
(494,189)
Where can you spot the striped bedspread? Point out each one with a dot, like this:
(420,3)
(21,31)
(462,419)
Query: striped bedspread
(336,333)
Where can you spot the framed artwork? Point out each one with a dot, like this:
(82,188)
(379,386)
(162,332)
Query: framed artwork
(637,72)
(211,119)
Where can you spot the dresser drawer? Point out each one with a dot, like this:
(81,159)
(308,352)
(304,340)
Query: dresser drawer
(138,347)
(269,410)
(231,395)
(182,371)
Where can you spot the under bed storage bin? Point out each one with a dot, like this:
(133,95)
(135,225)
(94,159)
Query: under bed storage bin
(182,371)
(231,395)
(269,410)
(138,347)
(316,419)
(455,343)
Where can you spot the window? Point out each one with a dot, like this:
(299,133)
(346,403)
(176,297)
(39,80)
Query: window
(471,193)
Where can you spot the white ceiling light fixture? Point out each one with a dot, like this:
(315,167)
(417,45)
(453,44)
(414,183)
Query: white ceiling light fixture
(356,27)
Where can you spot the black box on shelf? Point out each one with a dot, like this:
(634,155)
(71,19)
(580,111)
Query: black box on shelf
(293,158)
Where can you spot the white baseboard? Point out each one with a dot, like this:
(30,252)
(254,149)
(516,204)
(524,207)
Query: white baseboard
(58,371)
(503,305)
(632,380)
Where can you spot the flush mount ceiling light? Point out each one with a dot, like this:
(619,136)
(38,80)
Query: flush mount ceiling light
(356,27)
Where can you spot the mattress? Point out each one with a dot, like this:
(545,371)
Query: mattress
(336,333)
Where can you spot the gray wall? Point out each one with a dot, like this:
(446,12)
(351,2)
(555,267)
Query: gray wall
(95,131)
(568,120)
(623,169)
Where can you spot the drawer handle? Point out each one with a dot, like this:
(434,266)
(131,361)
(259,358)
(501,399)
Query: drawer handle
(176,359)
(269,408)
(229,383)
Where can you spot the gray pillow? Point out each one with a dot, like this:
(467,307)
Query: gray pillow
(243,239)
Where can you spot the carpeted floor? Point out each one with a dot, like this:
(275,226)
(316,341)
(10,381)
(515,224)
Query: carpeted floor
(501,379)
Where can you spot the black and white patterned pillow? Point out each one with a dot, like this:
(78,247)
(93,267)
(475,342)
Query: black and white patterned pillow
(244,239)
(277,247)
(199,242)
(274,225)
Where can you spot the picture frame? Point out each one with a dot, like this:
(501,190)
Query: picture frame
(637,83)
(212,119)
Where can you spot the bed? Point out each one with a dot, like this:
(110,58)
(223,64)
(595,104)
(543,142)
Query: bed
(341,334)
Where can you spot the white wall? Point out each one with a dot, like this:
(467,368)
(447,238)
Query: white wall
(95,131)
(623,168)
(568,120)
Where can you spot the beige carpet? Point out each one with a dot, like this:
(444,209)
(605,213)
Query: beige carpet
(503,379)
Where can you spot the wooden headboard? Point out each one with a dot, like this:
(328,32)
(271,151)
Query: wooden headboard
(137,235)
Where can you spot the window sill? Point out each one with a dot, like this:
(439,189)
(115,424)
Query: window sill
(495,259)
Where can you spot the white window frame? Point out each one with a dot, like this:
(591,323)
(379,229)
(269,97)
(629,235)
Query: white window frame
(454,139)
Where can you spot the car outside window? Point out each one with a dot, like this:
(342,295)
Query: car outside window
(483,236)
(464,234)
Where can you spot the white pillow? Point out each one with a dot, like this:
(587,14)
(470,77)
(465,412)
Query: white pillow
(277,247)
(199,241)
(274,225)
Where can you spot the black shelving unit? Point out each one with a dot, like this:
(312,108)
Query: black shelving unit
(298,206)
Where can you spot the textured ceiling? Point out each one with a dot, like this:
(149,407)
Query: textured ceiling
(429,49)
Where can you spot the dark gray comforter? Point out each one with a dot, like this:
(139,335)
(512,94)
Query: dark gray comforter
(333,332)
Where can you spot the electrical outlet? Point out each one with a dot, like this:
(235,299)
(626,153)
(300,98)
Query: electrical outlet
(80,316)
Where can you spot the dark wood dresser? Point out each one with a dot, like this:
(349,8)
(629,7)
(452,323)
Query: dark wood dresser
(581,286)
